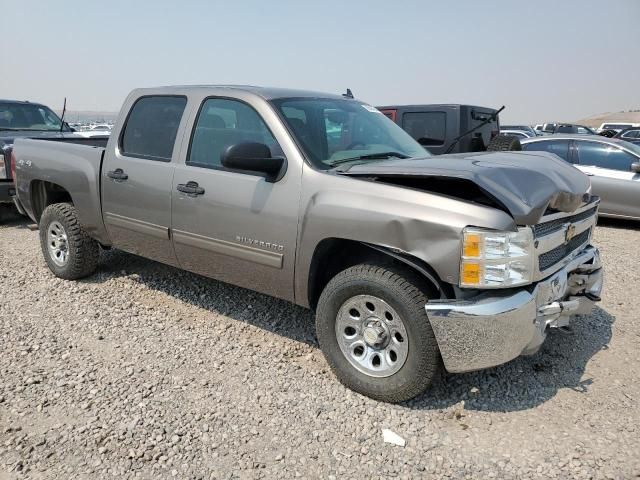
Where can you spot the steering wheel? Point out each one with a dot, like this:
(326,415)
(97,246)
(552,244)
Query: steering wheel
(355,144)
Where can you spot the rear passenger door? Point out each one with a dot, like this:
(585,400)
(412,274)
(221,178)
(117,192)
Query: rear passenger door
(609,168)
(239,228)
(137,178)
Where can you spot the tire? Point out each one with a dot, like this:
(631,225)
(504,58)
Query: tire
(404,294)
(504,143)
(82,252)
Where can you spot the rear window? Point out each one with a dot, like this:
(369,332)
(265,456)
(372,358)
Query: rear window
(616,126)
(151,128)
(428,128)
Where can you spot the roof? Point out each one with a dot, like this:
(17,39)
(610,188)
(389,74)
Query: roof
(570,136)
(268,93)
(573,136)
(436,105)
(23,102)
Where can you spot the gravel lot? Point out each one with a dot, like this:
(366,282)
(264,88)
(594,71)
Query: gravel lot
(146,371)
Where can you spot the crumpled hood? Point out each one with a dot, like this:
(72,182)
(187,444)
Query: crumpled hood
(525,183)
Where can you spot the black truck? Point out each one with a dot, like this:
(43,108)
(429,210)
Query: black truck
(452,128)
(23,119)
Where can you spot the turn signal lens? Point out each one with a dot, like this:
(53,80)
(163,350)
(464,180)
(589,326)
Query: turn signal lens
(471,246)
(471,273)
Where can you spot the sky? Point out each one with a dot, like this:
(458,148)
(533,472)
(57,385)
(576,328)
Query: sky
(546,60)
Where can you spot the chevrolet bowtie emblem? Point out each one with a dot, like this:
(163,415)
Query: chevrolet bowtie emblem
(570,232)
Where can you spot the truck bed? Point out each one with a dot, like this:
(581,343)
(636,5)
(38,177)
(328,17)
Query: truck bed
(71,163)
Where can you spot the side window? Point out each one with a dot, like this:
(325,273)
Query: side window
(222,123)
(428,128)
(559,147)
(583,131)
(604,156)
(152,126)
(631,134)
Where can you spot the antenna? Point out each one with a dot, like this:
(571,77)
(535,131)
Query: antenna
(348,94)
(64,110)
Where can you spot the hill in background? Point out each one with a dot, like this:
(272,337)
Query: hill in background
(620,117)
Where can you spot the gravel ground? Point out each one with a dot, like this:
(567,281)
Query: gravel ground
(146,371)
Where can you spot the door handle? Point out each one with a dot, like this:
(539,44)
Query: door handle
(117,174)
(588,174)
(190,188)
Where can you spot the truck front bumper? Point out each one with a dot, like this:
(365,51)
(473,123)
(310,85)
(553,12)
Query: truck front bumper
(492,329)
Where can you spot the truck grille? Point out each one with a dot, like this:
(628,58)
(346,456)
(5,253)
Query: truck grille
(550,258)
(546,228)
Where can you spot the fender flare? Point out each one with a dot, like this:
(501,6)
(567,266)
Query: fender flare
(414,263)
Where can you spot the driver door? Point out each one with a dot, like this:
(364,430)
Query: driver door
(238,228)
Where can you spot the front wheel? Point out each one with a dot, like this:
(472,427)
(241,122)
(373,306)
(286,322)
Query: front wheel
(68,250)
(374,332)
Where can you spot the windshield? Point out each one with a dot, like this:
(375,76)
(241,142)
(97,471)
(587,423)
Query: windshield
(335,131)
(28,116)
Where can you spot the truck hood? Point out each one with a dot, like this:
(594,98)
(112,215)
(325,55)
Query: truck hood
(525,184)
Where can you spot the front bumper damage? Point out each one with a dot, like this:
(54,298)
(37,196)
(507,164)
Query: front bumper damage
(492,329)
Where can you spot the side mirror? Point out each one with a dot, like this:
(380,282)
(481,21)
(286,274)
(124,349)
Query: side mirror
(635,167)
(253,157)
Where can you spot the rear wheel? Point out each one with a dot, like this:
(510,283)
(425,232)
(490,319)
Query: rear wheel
(504,143)
(68,250)
(375,334)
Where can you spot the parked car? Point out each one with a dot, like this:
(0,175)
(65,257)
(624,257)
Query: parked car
(616,126)
(549,128)
(530,131)
(410,261)
(21,119)
(451,128)
(565,128)
(520,134)
(612,164)
(95,131)
(629,134)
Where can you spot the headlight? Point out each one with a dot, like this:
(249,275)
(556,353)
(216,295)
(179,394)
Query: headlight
(493,259)
(3,167)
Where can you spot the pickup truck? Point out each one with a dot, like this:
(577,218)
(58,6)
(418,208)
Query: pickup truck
(23,119)
(411,262)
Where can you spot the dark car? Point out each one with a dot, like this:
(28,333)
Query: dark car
(451,128)
(570,128)
(629,134)
(612,164)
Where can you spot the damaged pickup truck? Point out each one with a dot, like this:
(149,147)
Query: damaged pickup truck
(411,262)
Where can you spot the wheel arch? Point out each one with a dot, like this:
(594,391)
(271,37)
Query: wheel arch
(333,255)
(44,193)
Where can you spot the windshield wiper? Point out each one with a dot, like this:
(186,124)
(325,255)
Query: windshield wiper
(370,156)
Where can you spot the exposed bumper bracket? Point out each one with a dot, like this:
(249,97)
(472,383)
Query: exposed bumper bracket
(492,329)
